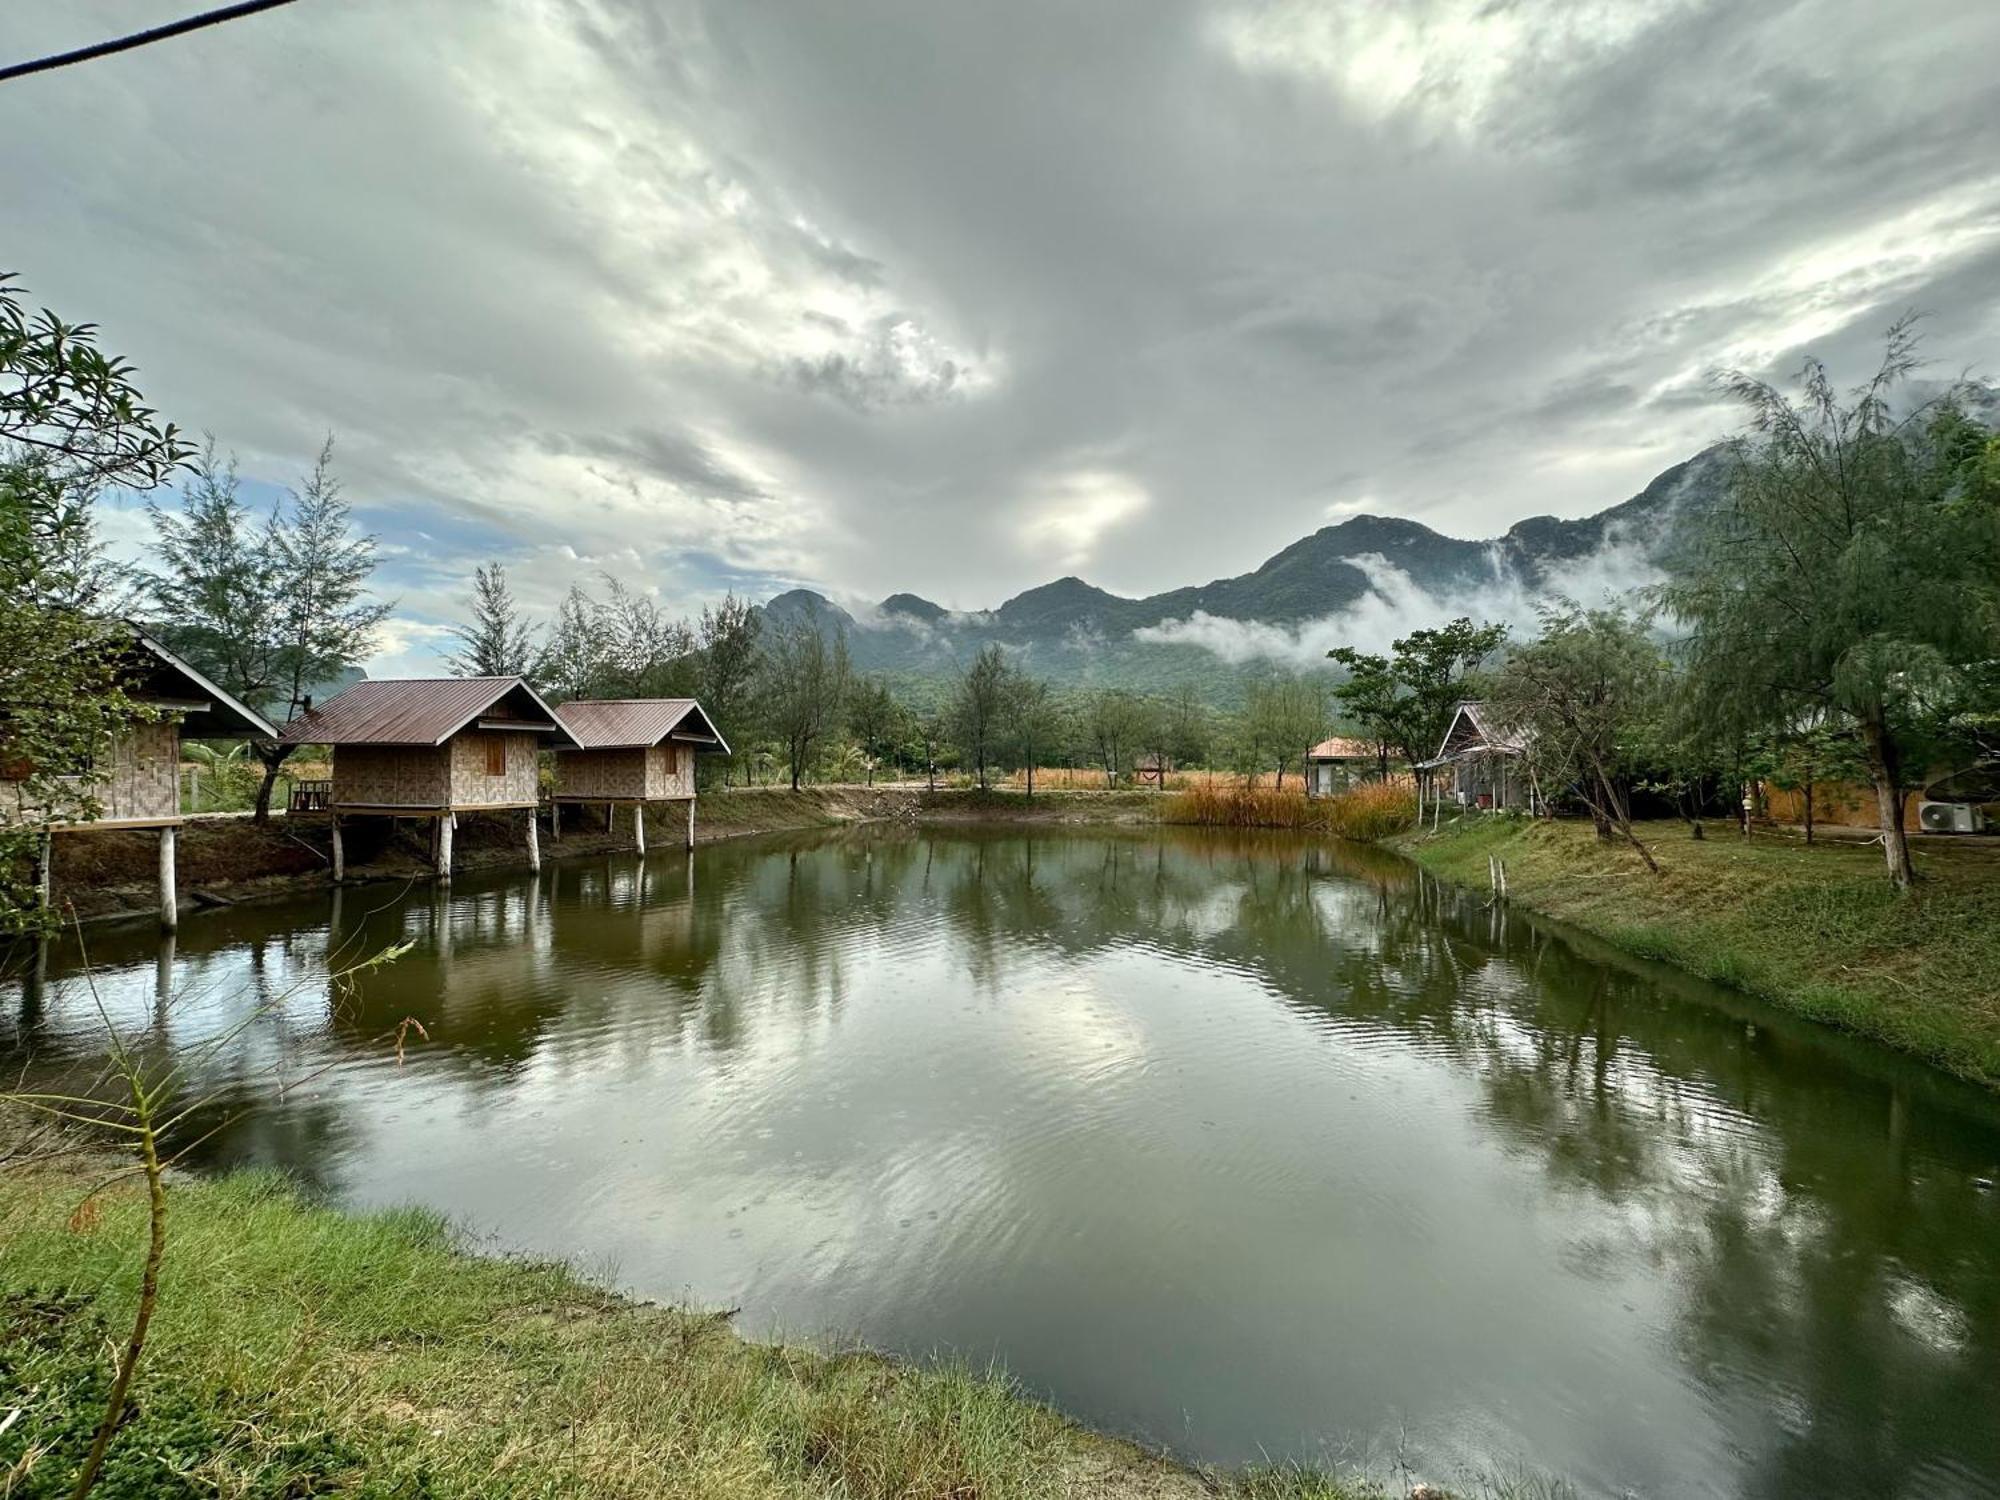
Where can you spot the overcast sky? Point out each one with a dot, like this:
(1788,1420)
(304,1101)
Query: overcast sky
(959,297)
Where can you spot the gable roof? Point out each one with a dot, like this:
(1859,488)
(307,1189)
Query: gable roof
(1473,727)
(157,673)
(421,711)
(636,723)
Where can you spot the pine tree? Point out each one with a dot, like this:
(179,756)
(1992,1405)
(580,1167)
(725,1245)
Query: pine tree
(325,624)
(498,642)
(218,595)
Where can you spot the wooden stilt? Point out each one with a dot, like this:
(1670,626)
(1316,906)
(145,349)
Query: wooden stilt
(45,872)
(339,853)
(169,898)
(445,825)
(555,821)
(639,826)
(534,845)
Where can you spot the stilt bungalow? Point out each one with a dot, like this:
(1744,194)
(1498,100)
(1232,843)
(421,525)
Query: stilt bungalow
(1479,764)
(135,779)
(432,748)
(632,752)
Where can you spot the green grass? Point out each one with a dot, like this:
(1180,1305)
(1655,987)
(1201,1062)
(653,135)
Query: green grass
(1818,930)
(302,1351)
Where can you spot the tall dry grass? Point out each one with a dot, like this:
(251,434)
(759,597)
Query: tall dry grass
(1372,810)
(1091,779)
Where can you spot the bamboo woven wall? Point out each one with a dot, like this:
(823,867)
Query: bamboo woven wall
(659,774)
(140,774)
(615,775)
(669,772)
(389,776)
(471,786)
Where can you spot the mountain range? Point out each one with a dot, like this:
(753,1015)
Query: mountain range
(1362,582)
(1072,631)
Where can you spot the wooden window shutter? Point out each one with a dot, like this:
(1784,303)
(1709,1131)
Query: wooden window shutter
(496,755)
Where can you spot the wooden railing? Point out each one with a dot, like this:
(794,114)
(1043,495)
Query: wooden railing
(310,797)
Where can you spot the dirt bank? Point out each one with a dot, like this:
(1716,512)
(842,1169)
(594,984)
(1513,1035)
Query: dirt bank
(226,859)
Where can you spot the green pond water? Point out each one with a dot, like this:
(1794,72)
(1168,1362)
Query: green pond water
(1249,1147)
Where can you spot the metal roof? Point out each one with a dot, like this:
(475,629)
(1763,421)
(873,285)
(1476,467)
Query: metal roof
(415,711)
(1489,736)
(226,713)
(635,723)
(1341,747)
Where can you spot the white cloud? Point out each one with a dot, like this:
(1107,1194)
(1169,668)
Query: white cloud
(737,296)
(1395,604)
(1447,65)
(1074,511)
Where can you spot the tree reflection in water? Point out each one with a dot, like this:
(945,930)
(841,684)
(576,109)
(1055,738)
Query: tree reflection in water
(1819,1218)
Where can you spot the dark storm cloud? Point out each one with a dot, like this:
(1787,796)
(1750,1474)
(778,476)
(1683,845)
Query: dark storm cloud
(957,298)
(673,456)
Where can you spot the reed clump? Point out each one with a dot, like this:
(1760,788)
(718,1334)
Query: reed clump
(1372,810)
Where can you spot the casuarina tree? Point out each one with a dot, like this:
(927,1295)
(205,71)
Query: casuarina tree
(497,641)
(1852,567)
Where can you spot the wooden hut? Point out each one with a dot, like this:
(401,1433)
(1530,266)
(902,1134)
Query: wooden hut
(1479,764)
(1337,763)
(135,779)
(629,752)
(432,747)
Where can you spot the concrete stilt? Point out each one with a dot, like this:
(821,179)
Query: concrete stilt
(534,845)
(445,825)
(163,970)
(169,898)
(690,835)
(339,853)
(45,872)
(639,826)
(555,821)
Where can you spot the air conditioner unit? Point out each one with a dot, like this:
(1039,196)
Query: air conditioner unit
(1949,817)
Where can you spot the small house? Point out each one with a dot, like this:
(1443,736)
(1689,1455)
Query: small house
(1479,764)
(135,778)
(632,752)
(1335,764)
(432,748)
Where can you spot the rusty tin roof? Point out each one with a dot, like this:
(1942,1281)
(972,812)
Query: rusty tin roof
(419,711)
(634,723)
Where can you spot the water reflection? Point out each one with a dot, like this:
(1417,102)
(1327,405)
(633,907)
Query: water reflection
(1246,1145)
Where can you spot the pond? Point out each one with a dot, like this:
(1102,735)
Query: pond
(1246,1146)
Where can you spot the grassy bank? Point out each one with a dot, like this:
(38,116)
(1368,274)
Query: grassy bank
(301,1351)
(1816,930)
(1373,810)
